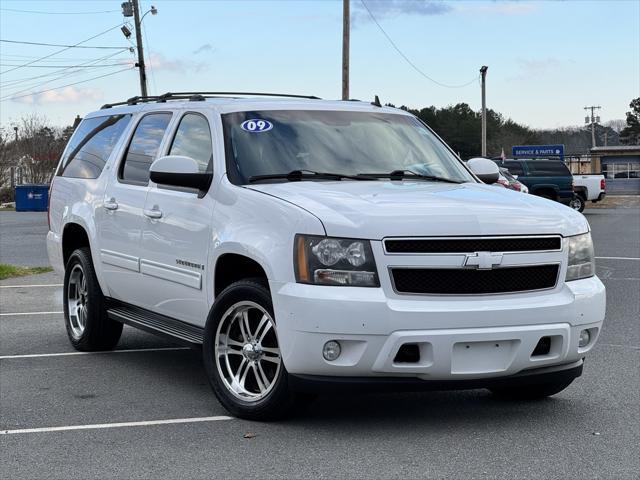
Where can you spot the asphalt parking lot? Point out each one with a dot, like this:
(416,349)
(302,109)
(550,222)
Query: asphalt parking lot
(146,410)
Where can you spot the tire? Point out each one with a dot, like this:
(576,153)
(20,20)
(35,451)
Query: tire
(243,364)
(88,326)
(531,392)
(577,203)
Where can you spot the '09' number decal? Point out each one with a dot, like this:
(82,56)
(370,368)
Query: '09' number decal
(256,125)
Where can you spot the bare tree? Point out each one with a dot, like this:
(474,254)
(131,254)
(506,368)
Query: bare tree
(616,125)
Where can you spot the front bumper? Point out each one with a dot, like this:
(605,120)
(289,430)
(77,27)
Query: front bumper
(458,338)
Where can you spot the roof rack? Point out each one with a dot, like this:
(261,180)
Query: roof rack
(200,96)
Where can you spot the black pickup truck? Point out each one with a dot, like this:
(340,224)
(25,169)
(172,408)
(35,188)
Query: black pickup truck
(546,178)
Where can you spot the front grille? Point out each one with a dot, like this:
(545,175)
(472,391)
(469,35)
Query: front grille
(461,281)
(468,245)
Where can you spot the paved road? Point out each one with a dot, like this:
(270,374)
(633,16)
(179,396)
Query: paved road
(591,430)
(22,241)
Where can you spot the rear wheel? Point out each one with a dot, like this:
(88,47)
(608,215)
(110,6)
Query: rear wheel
(531,392)
(88,326)
(577,203)
(242,354)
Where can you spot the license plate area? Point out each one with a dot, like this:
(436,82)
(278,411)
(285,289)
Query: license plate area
(493,356)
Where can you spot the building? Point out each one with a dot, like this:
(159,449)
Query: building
(620,166)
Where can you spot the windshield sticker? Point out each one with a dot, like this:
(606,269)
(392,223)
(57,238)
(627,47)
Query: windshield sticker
(256,125)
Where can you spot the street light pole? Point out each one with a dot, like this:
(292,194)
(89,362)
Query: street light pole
(345,49)
(483,74)
(141,66)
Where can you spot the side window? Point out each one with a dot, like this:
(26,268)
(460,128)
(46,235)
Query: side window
(193,139)
(143,148)
(91,145)
(549,168)
(515,168)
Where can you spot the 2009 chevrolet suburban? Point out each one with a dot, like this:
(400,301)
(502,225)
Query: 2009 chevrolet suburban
(307,243)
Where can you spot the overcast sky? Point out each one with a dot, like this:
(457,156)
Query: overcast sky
(547,59)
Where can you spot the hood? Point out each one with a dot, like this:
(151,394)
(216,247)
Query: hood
(378,209)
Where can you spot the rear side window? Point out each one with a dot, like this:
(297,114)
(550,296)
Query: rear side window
(193,139)
(91,145)
(143,148)
(548,168)
(515,168)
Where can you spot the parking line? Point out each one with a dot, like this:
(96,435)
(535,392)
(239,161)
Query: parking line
(33,286)
(68,354)
(617,258)
(171,421)
(15,314)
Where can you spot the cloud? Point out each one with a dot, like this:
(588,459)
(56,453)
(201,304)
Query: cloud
(67,94)
(206,48)
(394,8)
(159,62)
(537,67)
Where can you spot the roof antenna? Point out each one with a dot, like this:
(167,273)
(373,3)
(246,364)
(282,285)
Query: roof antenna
(376,102)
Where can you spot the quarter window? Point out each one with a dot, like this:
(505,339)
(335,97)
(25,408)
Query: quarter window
(548,168)
(91,145)
(144,147)
(193,139)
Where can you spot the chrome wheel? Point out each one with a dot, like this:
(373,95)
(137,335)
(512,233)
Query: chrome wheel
(77,301)
(246,350)
(576,203)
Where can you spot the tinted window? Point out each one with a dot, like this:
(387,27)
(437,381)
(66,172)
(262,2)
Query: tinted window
(91,145)
(514,168)
(144,146)
(193,139)
(548,168)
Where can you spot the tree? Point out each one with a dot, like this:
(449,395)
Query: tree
(631,134)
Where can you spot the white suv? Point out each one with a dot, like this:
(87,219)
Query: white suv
(308,244)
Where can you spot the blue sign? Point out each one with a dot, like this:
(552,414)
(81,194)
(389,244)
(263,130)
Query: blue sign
(538,151)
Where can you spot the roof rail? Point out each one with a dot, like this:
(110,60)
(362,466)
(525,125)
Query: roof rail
(200,96)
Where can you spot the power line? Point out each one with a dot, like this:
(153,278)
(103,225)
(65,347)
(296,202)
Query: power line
(55,13)
(64,86)
(60,66)
(60,45)
(60,51)
(413,65)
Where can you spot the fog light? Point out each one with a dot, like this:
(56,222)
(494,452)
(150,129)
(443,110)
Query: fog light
(585,338)
(331,350)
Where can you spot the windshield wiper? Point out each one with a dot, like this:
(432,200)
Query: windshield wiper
(298,175)
(402,174)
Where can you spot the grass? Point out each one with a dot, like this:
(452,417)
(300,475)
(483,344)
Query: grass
(9,271)
(7,209)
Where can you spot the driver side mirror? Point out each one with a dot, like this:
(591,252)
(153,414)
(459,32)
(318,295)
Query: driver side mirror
(179,171)
(484,169)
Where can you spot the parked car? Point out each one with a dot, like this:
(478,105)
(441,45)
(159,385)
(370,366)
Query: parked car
(509,181)
(545,178)
(304,245)
(588,187)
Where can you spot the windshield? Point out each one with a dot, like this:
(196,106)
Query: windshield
(339,142)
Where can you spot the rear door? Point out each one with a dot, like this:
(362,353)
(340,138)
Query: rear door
(119,222)
(177,232)
(552,174)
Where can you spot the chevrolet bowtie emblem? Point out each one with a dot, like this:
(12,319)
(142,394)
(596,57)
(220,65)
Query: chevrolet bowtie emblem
(483,260)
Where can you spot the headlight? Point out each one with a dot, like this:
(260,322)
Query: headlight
(581,257)
(334,261)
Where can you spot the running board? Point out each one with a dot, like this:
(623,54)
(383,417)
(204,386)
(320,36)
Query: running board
(155,323)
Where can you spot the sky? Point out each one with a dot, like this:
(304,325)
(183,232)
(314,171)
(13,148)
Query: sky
(547,59)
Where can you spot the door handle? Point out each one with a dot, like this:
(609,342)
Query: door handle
(154,213)
(110,204)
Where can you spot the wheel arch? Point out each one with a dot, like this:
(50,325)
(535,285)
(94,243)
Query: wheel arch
(231,267)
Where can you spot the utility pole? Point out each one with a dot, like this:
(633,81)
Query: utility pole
(483,74)
(345,49)
(593,120)
(141,67)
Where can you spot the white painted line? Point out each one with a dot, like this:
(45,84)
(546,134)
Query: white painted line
(32,286)
(116,425)
(617,258)
(68,354)
(15,314)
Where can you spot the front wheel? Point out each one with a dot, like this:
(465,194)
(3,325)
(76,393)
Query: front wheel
(577,203)
(242,354)
(531,392)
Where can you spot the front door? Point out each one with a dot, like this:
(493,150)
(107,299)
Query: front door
(120,220)
(177,233)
